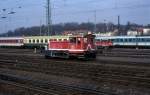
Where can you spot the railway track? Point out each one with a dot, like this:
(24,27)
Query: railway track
(110,54)
(12,50)
(129,50)
(140,76)
(115,72)
(33,89)
(47,87)
(126,53)
(36,58)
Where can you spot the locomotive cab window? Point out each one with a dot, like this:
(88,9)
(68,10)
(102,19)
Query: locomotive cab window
(79,40)
(73,39)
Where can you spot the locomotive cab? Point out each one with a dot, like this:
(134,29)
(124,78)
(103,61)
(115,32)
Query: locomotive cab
(82,46)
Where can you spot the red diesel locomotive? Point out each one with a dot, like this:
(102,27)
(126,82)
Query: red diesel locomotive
(80,46)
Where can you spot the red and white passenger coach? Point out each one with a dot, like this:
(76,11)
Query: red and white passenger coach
(11,41)
(80,46)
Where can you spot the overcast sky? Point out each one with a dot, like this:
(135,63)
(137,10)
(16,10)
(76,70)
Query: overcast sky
(33,12)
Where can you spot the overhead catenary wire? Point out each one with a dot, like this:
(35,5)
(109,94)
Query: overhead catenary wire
(59,11)
(104,9)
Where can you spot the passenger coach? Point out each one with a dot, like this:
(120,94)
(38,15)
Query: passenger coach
(11,41)
(124,41)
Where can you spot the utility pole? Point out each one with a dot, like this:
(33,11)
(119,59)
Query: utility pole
(118,23)
(105,27)
(95,18)
(40,27)
(48,18)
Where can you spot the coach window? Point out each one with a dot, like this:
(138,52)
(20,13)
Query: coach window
(65,39)
(148,39)
(41,40)
(37,40)
(125,40)
(121,40)
(55,40)
(116,40)
(143,40)
(138,39)
(29,41)
(134,40)
(46,40)
(111,40)
(130,40)
(33,41)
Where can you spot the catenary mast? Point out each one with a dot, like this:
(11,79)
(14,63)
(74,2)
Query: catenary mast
(48,18)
